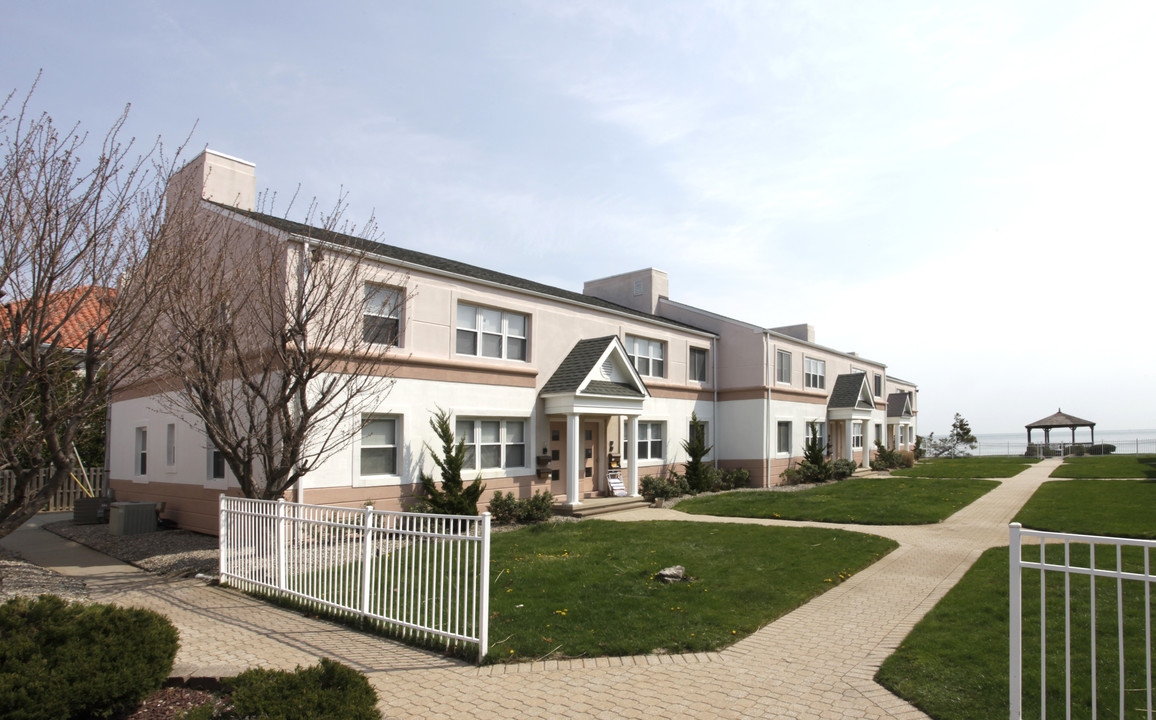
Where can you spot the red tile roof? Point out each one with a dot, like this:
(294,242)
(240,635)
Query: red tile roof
(81,310)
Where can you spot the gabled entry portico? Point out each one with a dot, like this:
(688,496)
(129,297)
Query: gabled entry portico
(851,405)
(594,384)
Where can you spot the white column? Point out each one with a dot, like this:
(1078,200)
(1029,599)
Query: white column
(630,452)
(573,459)
(848,447)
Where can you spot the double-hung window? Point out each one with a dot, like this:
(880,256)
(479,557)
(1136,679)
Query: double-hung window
(492,444)
(648,356)
(820,430)
(783,366)
(378,446)
(814,373)
(170,445)
(650,436)
(142,451)
(878,385)
(857,434)
(487,332)
(382,318)
(784,437)
(215,461)
(697,369)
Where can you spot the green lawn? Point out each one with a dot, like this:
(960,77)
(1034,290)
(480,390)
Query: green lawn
(968,467)
(1090,506)
(1108,466)
(870,501)
(954,664)
(587,589)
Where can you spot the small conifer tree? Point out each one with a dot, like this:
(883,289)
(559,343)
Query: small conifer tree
(453,498)
(698,475)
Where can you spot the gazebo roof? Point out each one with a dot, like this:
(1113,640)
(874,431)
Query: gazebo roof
(1061,419)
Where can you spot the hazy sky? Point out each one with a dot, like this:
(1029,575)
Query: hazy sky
(964,191)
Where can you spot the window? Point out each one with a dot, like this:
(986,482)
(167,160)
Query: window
(878,433)
(821,432)
(142,446)
(486,332)
(493,443)
(857,434)
(783,366)
(878,385)
(216,462)
(170,445)
(703,431)
(382,322)
(698,364)
(648,356)
(784,437)
(815,373)
(650,440)
(378,446)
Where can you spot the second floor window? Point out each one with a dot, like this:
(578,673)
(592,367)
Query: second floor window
(815,373)
(698,364)
(486,332)
(648,356)
(878,385)
(783,366)
(382,321)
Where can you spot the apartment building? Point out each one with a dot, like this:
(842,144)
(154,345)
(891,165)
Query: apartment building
(548,387)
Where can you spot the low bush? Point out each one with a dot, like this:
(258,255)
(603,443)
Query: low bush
(806,473)
(1101,449)
(731,479)
(655,487)
(842,469)
(505,509)
(886,459)
(60,660)
(329,690)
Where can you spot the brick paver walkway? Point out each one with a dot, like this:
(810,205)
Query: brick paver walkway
(816,662)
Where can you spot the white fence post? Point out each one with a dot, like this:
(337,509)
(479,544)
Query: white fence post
(484,591)
(222,535)
(1015,612)
(281,541)
(366,558)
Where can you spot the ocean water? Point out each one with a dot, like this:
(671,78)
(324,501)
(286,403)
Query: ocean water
(1126,441)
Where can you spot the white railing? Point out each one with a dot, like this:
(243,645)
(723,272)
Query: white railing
(1020,448)
(421,576)
(1120,559)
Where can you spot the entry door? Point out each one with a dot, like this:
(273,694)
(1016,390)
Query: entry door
(557,447)
(590,438)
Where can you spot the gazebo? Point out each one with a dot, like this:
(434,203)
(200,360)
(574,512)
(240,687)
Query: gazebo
(1060,420)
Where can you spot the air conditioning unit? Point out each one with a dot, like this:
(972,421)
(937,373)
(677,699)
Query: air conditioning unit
(132,518)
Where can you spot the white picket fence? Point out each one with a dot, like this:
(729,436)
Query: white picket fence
(1093,641)
(424,577)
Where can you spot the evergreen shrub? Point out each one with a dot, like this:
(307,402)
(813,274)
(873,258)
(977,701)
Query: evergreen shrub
(843,468)
(505,509)
(1101,449)
(62,660)
(663,488)
(327,690)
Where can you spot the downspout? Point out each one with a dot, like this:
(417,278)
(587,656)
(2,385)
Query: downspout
(714,380)
(767,404)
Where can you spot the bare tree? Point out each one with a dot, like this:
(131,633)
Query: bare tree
(274,337)
(75,218)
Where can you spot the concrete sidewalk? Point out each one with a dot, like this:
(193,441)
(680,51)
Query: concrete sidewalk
(816,662)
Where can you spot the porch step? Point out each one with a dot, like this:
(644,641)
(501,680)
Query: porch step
(600,506)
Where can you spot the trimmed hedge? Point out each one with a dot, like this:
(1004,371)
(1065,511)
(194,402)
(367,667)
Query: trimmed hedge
(326,690)
(60,660)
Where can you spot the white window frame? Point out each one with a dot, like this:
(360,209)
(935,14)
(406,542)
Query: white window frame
(878,385)
(361,477)
(648,356)
(857,435)
(170,445)
(814,373)
(140,463)
(822,427)
(783,366)
(781,447)
(213,457)
(477,442)
(655,447)
(382,303)
(704,368)
(878,432)
(475,324)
